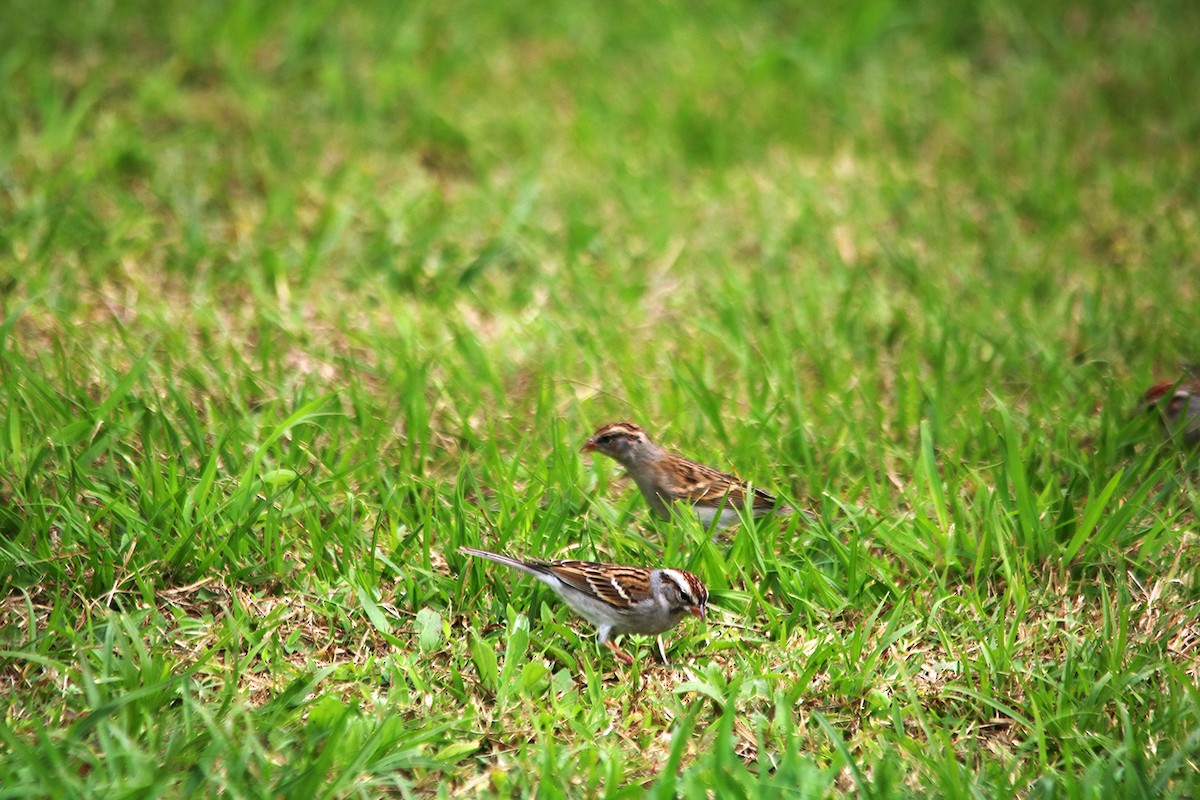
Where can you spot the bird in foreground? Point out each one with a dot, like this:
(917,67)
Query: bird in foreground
(666,477)
(614,598)
(1178,405)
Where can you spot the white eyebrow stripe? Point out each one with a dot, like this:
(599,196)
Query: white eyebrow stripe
(678,578)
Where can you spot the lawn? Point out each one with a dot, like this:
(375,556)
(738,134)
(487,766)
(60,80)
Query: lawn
(298,299)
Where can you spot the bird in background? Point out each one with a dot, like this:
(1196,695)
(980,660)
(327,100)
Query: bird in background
(1178,405)
(665,477)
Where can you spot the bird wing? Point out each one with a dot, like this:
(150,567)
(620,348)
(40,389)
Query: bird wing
(697,483)
(619,586)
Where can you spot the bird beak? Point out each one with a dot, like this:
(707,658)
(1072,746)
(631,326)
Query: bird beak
(588,446)
(697,611)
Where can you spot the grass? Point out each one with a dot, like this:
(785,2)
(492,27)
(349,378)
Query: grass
(299,300)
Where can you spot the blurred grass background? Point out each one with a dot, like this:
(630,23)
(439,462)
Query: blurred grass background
(299,299)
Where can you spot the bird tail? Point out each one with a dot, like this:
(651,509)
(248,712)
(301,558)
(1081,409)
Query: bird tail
(500,558)
(806,516)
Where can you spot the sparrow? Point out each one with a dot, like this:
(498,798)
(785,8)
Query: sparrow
(665,477)
(1178,406)
(614,598)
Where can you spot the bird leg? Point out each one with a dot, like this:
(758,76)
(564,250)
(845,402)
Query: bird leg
(620,654)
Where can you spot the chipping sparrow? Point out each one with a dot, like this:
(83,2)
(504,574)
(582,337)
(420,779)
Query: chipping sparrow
(666,477)
(1178,405)
(616,599)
